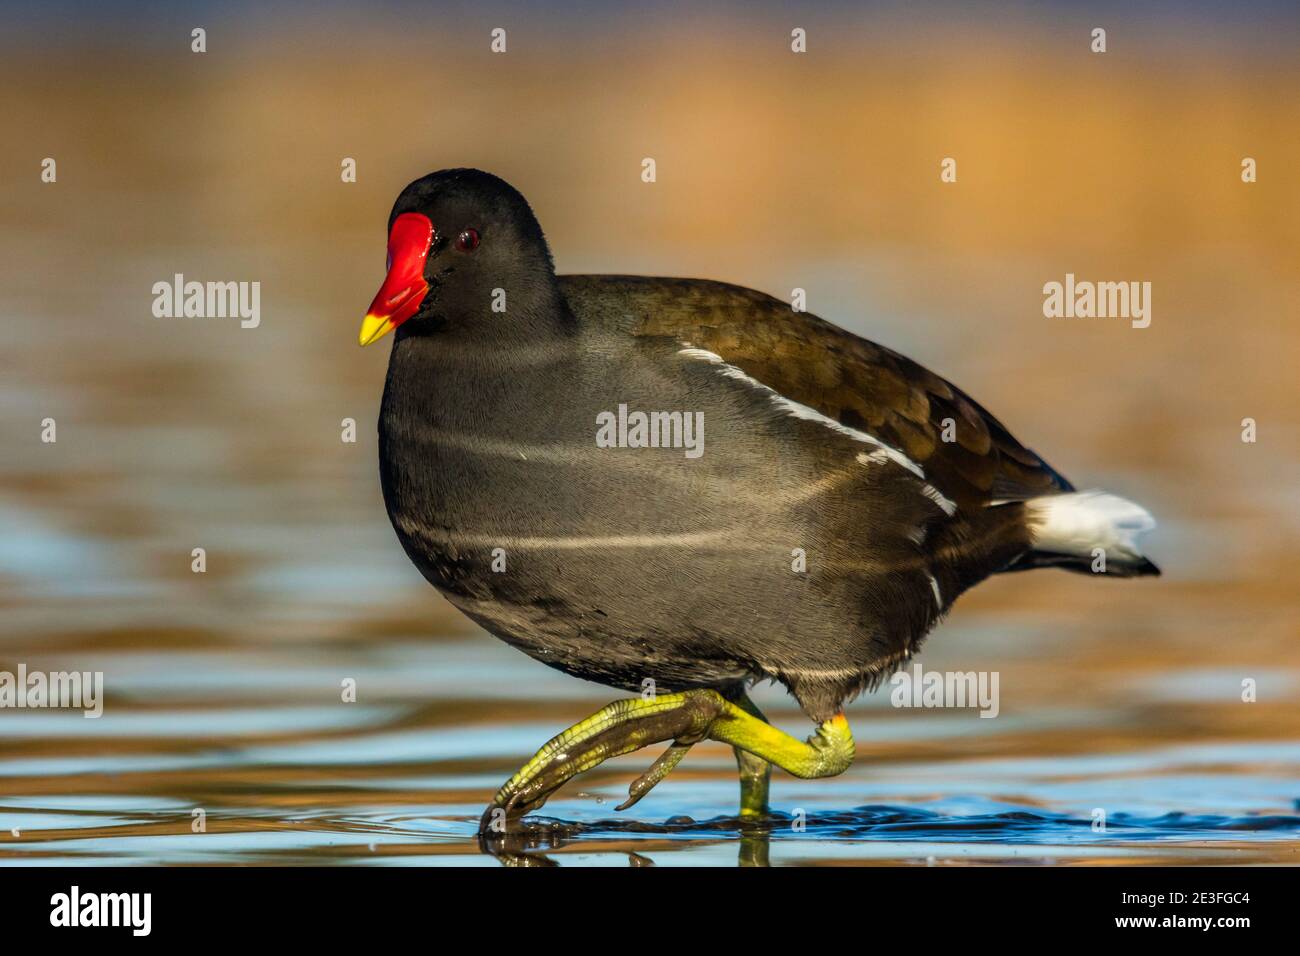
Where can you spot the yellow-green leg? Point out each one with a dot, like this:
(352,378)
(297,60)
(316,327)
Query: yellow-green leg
(755,772)
(685,719)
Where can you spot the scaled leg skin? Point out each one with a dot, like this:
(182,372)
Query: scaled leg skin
(686,719)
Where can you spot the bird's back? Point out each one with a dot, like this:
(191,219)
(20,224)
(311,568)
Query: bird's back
(851,380)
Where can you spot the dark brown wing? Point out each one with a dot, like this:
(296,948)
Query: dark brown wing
(856,382)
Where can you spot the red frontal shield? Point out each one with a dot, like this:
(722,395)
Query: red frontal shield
(404,287)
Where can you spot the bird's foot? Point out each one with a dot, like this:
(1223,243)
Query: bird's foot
(617,728)
(684,718)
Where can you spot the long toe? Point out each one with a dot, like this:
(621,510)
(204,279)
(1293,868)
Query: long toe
(619,728)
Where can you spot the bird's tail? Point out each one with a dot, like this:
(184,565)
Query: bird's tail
(1087,531)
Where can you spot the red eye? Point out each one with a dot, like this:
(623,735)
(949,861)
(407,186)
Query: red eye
(467,241)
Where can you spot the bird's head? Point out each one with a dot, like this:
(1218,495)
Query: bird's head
(460,241)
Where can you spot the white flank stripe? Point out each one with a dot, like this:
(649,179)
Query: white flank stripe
(791,407)
(930,491)
(934,586)
(934,494)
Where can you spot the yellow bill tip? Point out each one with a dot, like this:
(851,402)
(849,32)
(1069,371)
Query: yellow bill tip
(374,327)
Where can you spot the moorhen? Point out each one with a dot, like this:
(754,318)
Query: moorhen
(678,487)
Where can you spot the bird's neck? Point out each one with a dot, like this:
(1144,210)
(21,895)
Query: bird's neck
(499,320)
(469,363)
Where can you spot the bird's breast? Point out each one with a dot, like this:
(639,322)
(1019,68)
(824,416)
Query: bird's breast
(594,453)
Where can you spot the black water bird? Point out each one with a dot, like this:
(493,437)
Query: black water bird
(677,487)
